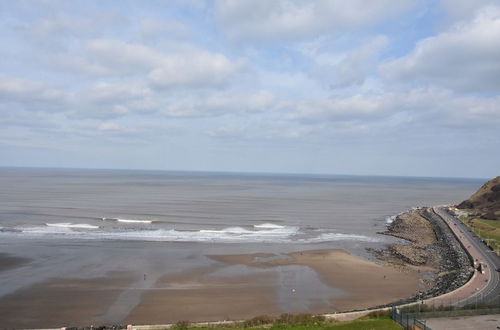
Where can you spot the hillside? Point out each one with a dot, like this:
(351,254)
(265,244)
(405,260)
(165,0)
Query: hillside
(486,201)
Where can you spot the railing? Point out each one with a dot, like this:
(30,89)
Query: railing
(408,321)
(458,312)
(415,321)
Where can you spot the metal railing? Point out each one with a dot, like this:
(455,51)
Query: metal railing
(417,320)
(457,312)
(408,321)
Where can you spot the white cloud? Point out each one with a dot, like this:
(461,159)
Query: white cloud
(458,10)
(195,69)
(266,130)
(263,20)
(30,95)
(53,26)
(420,107)
(105,92)
(122,56)
(77,63)
(188,67)
(221,103)
(109,127)
(107,100)
(150,28)
(351,68)
(465,58)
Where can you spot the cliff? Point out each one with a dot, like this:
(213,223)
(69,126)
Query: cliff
(486,201)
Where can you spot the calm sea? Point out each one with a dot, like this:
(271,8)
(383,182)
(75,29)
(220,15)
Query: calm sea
(72,223)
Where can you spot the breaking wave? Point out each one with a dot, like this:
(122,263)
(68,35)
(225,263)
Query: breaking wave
(264,233)
(328,237)
(127,220)
(71,225)
(269,225)
(390,219)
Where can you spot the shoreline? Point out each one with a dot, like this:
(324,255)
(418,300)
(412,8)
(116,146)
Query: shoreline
(449,265)
(464,277)
(211,295)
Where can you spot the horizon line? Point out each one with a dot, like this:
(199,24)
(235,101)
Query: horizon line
(241,172)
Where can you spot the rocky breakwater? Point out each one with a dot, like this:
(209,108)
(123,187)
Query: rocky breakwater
(429,248)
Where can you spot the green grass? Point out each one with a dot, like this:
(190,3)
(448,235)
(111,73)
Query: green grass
(486,229)
(383,323)
(374,324)
(491,223)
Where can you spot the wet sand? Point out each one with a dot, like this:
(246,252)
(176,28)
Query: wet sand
(8,262)
(196,296)
(233,287)
(367,283)
(62,302)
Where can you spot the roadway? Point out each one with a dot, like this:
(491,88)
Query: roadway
(485,287)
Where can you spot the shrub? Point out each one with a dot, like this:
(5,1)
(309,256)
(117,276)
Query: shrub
(181,325)
(377,314)
(301,319)
(258,320)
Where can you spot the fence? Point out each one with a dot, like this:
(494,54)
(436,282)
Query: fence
(458,312)
(416,321)
(408,321)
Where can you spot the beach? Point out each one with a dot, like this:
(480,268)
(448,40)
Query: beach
(233,287)
(81,247)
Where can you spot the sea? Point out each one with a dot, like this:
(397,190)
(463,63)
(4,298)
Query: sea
(81,223)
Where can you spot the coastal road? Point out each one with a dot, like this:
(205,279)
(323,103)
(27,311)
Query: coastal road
(484,287)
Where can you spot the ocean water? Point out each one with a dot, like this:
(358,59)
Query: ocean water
(206,207)
(84,223)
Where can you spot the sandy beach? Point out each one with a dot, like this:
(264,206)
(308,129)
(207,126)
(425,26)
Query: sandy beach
(212,247)
(233,287)
(7,261)
(365,283)
(61,302)
(196,296)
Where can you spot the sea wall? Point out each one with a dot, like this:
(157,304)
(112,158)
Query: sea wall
(429,243)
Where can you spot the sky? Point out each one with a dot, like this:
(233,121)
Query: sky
(366,87)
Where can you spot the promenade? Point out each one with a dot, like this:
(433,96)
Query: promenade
(483,287)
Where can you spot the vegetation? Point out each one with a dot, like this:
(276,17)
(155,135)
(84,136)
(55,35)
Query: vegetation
(485,203)
(303,322)
(424,308)
(181,325)
(489,230)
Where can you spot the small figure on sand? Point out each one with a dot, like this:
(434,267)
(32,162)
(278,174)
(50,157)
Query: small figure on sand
(144,277)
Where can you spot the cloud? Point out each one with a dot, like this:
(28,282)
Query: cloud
(263,20)
(417,107)
(221,103)
(190,67)
(30,95)
(340,108)
(109,127)
(353,67)
(195,69)
(465,58)
(122,56)
(150,28)
(108,100)
(458,10)
(53,26)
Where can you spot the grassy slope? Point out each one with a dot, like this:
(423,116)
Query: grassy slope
(368,324)
(486,201)
(488,229)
